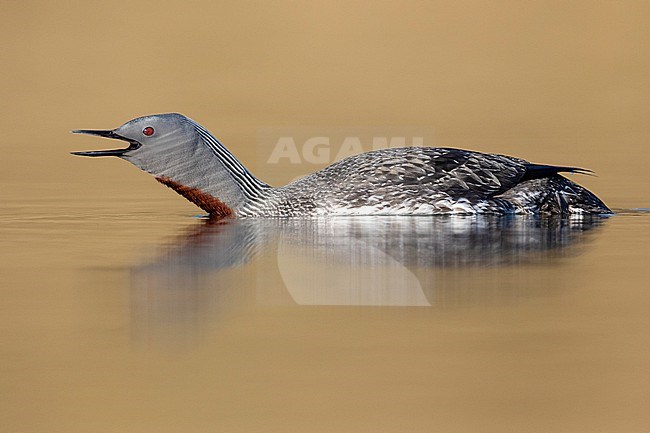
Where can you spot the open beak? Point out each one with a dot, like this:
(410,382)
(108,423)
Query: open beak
(133,145)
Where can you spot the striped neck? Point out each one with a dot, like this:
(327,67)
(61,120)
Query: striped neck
(197,166)
(251,187)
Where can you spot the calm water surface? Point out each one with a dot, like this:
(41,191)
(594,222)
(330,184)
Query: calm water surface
(122,311)
(120,316)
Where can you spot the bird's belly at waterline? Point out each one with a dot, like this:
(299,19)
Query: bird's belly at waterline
(555,195)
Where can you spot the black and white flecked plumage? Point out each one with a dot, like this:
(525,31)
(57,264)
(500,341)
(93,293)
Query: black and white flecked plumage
(403,181)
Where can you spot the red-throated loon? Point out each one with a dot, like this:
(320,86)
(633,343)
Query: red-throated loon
(184,156)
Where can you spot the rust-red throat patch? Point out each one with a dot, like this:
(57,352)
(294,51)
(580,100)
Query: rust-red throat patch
(205,201)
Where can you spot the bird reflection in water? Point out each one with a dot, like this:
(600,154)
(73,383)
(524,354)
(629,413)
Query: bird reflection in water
(218,267)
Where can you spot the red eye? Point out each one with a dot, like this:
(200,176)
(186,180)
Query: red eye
(148,131)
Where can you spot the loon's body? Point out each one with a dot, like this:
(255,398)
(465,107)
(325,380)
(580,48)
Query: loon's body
(184,156)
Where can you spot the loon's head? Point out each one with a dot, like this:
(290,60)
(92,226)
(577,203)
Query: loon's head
(184,156)
(156,142)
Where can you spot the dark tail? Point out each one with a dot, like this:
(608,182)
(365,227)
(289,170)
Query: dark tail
(540,171)
(567,197)
(547,192)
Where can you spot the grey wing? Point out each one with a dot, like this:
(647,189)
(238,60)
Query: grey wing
(420,172)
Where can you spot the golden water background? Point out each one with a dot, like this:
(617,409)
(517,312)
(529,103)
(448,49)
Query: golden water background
(559,344)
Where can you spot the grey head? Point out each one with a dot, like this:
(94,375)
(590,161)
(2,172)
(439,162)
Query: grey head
(184,156)
(154,141)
